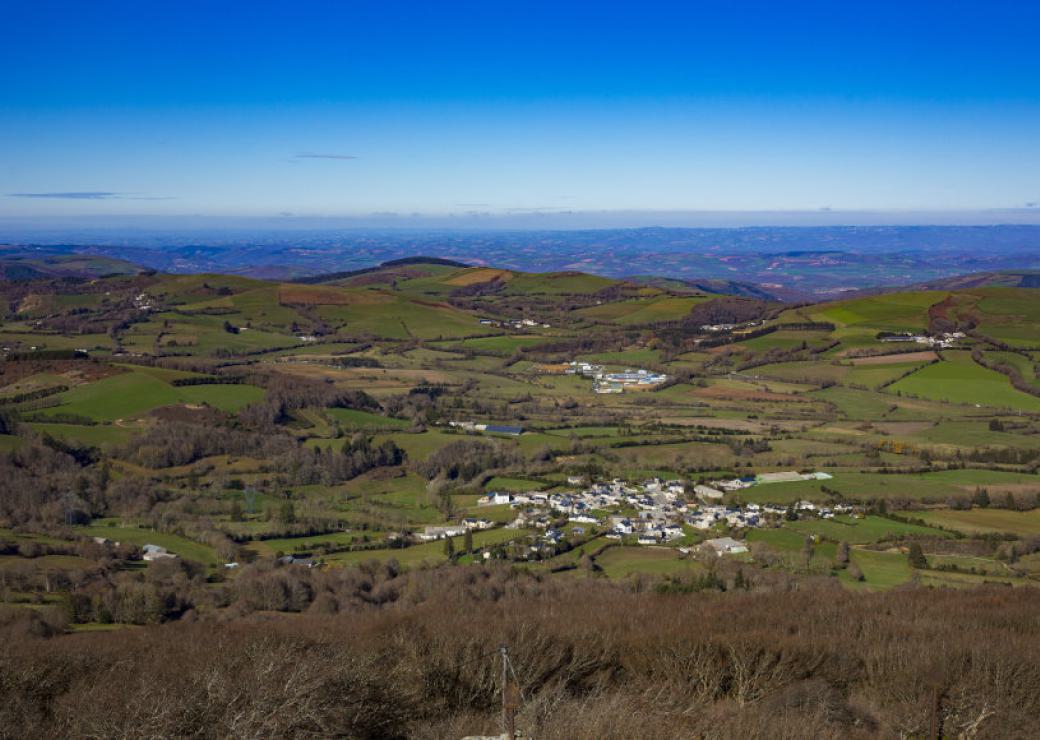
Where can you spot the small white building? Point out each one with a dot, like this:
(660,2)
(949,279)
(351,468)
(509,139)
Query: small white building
(707,492)
(725,546)
(155,552)
(439,533)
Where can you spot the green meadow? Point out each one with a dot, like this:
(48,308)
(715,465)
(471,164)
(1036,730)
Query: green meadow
(958,379)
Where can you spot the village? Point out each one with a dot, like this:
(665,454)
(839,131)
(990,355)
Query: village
(615,382)
(942,341)
(515,324)
(653,512)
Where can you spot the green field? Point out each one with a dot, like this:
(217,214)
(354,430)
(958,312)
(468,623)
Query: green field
(512,484)
(185,548)
(975,521)
(429,552)
(502,345)
(100,435)
(623,561)
(134,393)
(365,420)
(958,379)
(936,486)
(890,312)
(866,530)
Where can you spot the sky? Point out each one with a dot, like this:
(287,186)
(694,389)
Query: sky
(488,112)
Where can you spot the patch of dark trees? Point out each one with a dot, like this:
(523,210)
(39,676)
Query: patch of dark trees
(33,395)
(465,459)
(209,380)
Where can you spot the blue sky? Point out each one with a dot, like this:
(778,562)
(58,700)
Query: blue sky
(349,109)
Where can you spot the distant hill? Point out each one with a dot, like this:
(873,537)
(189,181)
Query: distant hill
(18,265)
(816,262)
(722,287)
(1002,279)
(330,277)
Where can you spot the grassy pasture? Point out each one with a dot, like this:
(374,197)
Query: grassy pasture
(857,405)
(958,379)
(873,376)
(881,570)
(1010,315)
(101,435)
(505,344)
(628,358)
(804,372)
(784,339)
(585,432)
(624,561)
(868,530)
(644,310)
(400,317)
(1026,366)
(365,420)
(971,434)
(936,486)
(429,552)
(185,548)
(133,393)
(983,521)
(556,283)
(892,311)
(499,483)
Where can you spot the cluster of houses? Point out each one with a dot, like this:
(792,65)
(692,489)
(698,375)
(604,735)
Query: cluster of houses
(142,302)
(653,512)
(942,341)
(604,382)
(715,328)
(149,553)
(431,534)
(517,324)
(716,489)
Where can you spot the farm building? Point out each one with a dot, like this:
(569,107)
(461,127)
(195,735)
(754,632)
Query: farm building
(439,533)
(707,492)
(155,552)
(784,477)
(725,546)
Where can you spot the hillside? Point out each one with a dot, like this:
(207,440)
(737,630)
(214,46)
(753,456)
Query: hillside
(1003,279)
(20,264)
(724,287)
(573,427)
(220,449)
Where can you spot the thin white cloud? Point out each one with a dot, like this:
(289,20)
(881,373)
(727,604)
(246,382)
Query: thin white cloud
(316,155)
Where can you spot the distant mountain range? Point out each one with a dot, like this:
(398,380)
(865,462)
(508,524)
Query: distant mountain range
(792,263)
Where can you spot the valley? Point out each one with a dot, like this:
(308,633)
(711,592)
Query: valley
(340,422)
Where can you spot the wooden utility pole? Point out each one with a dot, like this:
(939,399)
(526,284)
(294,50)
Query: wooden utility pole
(509,699)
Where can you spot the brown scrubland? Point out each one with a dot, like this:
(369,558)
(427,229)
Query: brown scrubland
(413,655)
